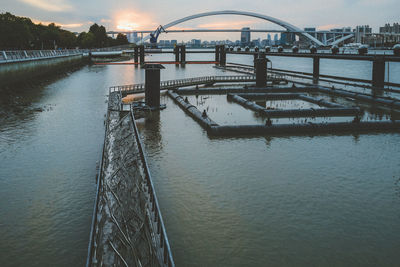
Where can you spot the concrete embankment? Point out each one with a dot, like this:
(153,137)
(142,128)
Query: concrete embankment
(34,70)
(123,229)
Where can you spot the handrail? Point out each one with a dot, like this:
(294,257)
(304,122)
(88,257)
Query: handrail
(163,239)
(26,55)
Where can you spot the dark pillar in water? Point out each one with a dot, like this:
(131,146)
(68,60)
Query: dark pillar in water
(222,55)
(378,72)
(152,84)
(176,52)
(136,54)
(255,56)
(141,54)
(315,69)
(217,53)
(183,54)
(261,72)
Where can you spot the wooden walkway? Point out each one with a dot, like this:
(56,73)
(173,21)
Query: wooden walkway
(172,84)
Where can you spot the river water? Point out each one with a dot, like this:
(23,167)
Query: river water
(261,201)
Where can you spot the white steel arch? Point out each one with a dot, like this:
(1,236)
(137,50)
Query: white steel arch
(279,22)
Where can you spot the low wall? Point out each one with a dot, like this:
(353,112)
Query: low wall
(33,70)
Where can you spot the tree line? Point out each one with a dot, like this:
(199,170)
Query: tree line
(21,33)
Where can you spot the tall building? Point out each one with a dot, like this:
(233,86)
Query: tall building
(276,40)
(360,32)
(390,29)
(245,36)
(287,38)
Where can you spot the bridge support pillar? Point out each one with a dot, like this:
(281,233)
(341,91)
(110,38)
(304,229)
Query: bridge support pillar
(183,54)
(378,72)
(136,54)
(315,69)
(261,72)
(141,54)
(152,84)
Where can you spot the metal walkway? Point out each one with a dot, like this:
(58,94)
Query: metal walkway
(172,84)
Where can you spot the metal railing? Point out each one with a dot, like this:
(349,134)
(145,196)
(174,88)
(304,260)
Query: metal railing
(26,55)
(156,220)
(170,84)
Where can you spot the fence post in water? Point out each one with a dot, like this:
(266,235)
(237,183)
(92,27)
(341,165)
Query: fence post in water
(378,72)
(183,54)
(315,69)
(152,84)
(261,71)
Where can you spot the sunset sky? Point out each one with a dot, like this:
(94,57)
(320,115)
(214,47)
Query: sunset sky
(78,15)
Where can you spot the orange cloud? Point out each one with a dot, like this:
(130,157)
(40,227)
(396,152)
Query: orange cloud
(54,6)
(69,25)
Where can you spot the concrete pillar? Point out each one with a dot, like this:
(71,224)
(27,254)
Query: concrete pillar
(261,72)
(315,69)
(183,54)
(378,72)
(152,84)
(176,52)
(136,54)
(141,54)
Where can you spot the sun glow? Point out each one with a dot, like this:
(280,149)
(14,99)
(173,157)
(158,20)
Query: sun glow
(130,20)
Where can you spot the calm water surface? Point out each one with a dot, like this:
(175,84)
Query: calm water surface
(327,200)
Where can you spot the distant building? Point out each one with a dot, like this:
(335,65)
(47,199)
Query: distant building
(304,40)
(360,32)
(287,38)
(196,42)
(276,40)
(245,36)
(173,42)
(390,29)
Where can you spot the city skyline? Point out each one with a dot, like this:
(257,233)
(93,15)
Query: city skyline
(141,15)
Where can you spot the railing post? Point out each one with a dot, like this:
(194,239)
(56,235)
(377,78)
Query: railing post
(4,55)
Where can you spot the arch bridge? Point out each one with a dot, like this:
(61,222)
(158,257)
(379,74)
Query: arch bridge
(154,35)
